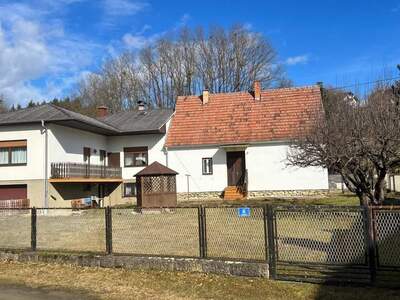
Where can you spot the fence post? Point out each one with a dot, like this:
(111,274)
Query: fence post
(108,219)
(369,220)
(33,229)
(202,231)
(265,233)
(271,240)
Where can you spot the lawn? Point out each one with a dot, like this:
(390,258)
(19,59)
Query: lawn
(97,283)
(301,236)
(337,199)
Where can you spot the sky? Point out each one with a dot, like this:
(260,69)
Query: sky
(47,46)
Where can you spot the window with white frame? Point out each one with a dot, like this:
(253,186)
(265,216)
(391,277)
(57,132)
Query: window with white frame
(207,166)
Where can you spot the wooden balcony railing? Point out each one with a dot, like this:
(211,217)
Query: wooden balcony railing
(77,170)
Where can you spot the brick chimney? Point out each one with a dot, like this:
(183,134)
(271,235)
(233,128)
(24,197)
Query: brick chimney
(101,111)
(257,90)
(206,96)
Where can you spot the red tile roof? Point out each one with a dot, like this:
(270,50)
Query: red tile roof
(236,118)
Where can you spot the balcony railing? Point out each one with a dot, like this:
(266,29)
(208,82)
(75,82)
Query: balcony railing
(77,170)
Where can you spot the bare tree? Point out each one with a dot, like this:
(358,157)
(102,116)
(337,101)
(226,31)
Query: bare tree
(358,140)
(3,106)
(184,64)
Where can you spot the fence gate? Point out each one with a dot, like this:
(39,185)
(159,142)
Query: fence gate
(319,244)
(387,244)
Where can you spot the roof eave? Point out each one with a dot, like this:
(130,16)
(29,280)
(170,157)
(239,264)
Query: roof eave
(249,143)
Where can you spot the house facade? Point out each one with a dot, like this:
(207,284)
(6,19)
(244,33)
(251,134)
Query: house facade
(231,145)
(58,158)
(236,144)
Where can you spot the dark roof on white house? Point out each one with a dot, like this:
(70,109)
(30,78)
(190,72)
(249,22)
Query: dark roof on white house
(144,120)
(119,124)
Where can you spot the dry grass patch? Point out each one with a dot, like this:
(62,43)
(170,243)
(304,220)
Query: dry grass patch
(126,284)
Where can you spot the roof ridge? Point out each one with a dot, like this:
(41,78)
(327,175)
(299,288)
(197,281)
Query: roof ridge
(305,87)
(59,108)
(67,112)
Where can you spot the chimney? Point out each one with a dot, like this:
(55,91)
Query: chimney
(102,111)
(206,96)
(141,106)
(257,90)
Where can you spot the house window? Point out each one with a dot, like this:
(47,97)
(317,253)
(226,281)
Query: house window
(129,189)
(207,166)
(135,156)
(13,153)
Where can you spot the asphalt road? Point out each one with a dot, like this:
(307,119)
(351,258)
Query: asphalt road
(14,292)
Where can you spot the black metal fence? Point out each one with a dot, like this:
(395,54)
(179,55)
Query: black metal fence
(301,243)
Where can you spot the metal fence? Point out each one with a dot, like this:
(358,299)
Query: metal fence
(302,243)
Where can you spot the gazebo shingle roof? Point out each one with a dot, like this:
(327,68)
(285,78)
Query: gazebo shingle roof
(156,169)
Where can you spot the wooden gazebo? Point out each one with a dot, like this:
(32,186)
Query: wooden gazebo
(156,186)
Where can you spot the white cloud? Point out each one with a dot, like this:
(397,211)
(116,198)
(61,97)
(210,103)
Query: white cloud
(123,7)
(35,47)
(139,39)
(248,26)
(296,60)
(134,41)
(185,19)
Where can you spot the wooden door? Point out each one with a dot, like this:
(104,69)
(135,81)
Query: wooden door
(236,167)
(114,160)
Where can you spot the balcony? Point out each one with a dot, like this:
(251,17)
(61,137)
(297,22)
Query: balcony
(77,172)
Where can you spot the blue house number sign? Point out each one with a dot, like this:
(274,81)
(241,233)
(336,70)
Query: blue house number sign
(243,211)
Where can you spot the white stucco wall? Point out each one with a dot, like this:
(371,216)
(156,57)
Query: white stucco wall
(154,142)
(66,144)
(189,162)
(267,170)
(266,165)
(35,152)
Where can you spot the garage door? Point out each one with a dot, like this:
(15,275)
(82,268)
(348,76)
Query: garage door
(9,192)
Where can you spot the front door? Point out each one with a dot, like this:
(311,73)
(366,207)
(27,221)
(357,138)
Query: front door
(236,167)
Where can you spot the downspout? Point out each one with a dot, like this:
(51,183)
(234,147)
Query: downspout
(46,165)
(166,156)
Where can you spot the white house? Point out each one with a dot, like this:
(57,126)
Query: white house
(53,156)
(222,145)
(232,144)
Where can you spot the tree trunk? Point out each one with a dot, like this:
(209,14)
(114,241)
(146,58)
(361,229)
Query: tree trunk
(379,191)
(364,199)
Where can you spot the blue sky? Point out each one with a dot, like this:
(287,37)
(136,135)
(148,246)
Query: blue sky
(47,46)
